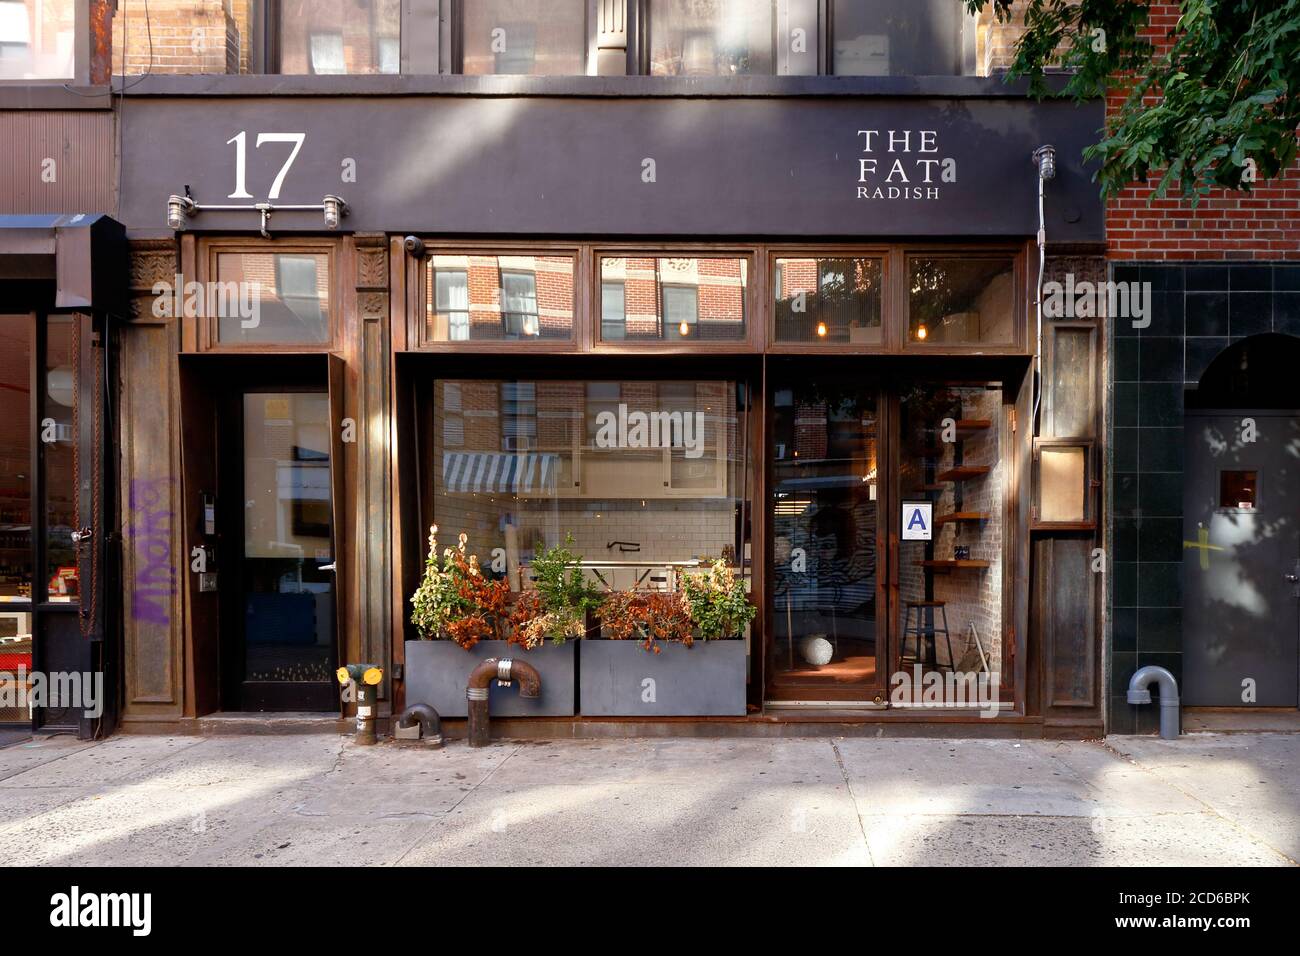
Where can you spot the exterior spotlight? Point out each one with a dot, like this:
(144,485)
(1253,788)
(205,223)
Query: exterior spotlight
(1045,160)
(335,209)
(179,208)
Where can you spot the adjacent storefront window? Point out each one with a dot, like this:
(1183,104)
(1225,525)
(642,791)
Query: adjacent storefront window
(17,346)
(673,299)
(484,298)
(952,476)
(525,37)
(38,39)
(961,300)
(832,301)
(902,38)
(648,478)
(326,37)
(271,297)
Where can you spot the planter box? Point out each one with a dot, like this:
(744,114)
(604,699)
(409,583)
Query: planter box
(436,672)
(622,679)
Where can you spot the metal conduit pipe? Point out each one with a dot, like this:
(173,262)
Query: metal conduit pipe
(504,671)
(428,720)
(1139,692)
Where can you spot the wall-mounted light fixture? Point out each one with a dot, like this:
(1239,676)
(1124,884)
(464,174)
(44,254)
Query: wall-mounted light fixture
(182,208)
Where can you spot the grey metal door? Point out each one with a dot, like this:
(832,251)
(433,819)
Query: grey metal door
(1241,559)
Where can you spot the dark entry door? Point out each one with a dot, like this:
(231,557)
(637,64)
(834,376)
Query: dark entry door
(281,653)
(1241,559)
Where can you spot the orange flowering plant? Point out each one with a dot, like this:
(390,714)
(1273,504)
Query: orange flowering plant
(455,600)
(650,617)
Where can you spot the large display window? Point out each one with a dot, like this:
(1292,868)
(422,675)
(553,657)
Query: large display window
(641,478)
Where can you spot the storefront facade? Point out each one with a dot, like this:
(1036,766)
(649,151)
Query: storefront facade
(781,320)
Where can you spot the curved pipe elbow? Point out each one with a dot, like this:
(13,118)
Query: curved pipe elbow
(506,669)
(428,719)
(1139,686)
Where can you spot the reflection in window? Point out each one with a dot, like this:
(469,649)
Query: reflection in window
(37,39)
(673,299)
(339,36)
(537,37)
(711,37)
(487,297)
(950,585)
(16,348)
(648,477)
(263,297)
(961,301)
(828,300)
(901,38)
(59,450)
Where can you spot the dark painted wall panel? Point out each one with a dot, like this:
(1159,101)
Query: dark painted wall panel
(763,166)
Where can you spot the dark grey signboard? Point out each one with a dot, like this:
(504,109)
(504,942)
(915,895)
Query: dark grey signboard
(795,167)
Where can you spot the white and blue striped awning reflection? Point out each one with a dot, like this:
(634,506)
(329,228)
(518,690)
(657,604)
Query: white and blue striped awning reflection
(503,472)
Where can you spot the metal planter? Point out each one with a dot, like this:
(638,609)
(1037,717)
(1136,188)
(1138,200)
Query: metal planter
(436,673)
(622,679)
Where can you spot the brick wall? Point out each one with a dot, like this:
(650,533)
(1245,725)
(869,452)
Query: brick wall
(1224,226)
(178,36)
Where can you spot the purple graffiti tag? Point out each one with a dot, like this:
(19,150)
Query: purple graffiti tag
(151,544)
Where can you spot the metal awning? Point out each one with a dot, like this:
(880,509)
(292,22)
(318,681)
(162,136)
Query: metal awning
(520,473)
(83,253)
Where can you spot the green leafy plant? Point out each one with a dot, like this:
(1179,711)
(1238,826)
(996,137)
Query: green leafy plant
(717,601)
(455,601)
(557,606)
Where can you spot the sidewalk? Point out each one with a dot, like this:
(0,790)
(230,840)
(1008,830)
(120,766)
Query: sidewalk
(320,800)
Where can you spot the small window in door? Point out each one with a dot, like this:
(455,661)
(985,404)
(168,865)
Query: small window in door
(1238,490)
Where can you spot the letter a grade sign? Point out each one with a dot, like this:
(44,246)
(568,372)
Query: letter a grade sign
(917,520)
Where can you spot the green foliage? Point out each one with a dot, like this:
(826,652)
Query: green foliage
(1217,108)
(455,600)
(719,606)
(557,607)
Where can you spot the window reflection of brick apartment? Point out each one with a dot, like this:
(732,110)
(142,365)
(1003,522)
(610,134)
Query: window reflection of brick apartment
(718,284)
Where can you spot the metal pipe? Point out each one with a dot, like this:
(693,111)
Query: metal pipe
(1139,692)
(504,671)
(427,718)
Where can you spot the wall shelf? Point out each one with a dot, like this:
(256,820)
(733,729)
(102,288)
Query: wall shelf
(954,564)
(962,473)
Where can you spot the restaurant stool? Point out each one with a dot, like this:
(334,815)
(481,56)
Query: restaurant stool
(925,631)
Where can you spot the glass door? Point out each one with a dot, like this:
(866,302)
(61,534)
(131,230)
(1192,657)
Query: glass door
(828,632)
(285,601)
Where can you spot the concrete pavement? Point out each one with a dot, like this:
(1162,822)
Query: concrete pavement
(319,800)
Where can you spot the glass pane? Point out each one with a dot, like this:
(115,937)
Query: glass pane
(1062,473)
(1238,489)
(271,297)
(953,301)
(710,37)
(950,555)
(1071,384)
(825,526)
(674,299)
(835,301)
(525,37)
(37,39)
(899,37)
(486,298)
(15,653)
(225,38)
(16,344)
(59,450)
(649,477)
(340,36)
(287,588)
